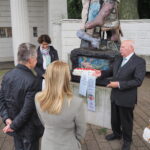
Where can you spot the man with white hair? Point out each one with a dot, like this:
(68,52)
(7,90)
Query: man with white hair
(17,107)
(127,73)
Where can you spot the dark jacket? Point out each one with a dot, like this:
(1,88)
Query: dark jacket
(17,94)
(130,76)
(39,66)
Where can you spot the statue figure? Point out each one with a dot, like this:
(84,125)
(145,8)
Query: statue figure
(100,24)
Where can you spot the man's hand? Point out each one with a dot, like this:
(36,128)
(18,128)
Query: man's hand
(97,73)
(8,121)
(113,84)
(7,129)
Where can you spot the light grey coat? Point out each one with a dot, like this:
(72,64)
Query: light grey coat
(65,130)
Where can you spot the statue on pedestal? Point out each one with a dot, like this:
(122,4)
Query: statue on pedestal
(100,39)
(100,27)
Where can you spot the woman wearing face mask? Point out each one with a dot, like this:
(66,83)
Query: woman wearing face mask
(46,55)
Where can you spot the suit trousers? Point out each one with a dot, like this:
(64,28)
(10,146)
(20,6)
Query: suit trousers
(122,121)
(24,144)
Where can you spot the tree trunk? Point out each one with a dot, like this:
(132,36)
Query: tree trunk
(128,9)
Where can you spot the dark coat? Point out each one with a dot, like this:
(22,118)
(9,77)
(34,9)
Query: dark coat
(39,66)
(130,76)
(17,102)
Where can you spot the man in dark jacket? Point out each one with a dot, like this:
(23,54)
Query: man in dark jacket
(17,107)
(127,73)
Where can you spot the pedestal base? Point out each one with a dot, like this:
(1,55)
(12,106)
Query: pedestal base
(102,115)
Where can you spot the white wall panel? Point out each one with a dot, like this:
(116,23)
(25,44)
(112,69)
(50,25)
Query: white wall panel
(38,17)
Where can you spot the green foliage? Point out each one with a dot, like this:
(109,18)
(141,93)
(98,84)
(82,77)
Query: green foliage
(74,9)
(128,9)
(102,131)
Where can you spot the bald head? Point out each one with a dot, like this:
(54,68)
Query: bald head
(127,47)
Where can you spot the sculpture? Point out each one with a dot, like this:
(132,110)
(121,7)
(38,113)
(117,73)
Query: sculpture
(100,38)
(100,24)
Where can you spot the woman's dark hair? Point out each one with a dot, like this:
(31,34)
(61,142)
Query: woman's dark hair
(44,38)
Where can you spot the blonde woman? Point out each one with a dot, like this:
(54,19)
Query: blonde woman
(61,113)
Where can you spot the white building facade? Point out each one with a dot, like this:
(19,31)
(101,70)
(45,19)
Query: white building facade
(25,20)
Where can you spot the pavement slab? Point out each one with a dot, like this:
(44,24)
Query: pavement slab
(95,135)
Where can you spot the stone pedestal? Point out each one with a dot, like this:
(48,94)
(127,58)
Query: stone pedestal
(101,116)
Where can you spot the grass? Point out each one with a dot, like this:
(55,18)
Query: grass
(102,131)
(2,72)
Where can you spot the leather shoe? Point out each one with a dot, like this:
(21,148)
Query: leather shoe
(126,145)
(112,136)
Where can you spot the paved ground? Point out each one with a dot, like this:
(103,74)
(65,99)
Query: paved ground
(95,136)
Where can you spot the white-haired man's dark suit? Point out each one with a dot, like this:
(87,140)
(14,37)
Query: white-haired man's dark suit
(123,99)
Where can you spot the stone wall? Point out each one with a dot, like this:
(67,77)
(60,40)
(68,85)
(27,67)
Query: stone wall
(137,30)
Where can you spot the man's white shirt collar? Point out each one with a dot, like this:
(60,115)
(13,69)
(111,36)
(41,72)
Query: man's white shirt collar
(129,56)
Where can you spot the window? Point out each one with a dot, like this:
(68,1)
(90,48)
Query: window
(5,32)
(35,32)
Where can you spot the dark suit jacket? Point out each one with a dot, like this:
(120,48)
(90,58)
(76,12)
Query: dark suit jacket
(39,66)
(130,76)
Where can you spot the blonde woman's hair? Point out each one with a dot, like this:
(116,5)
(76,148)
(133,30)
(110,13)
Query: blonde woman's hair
(57,88)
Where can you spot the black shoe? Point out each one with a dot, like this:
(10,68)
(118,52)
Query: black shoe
(112,136)
(126,145)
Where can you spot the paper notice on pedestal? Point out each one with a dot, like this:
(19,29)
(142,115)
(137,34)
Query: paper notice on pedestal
(91,93)
(83,83)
